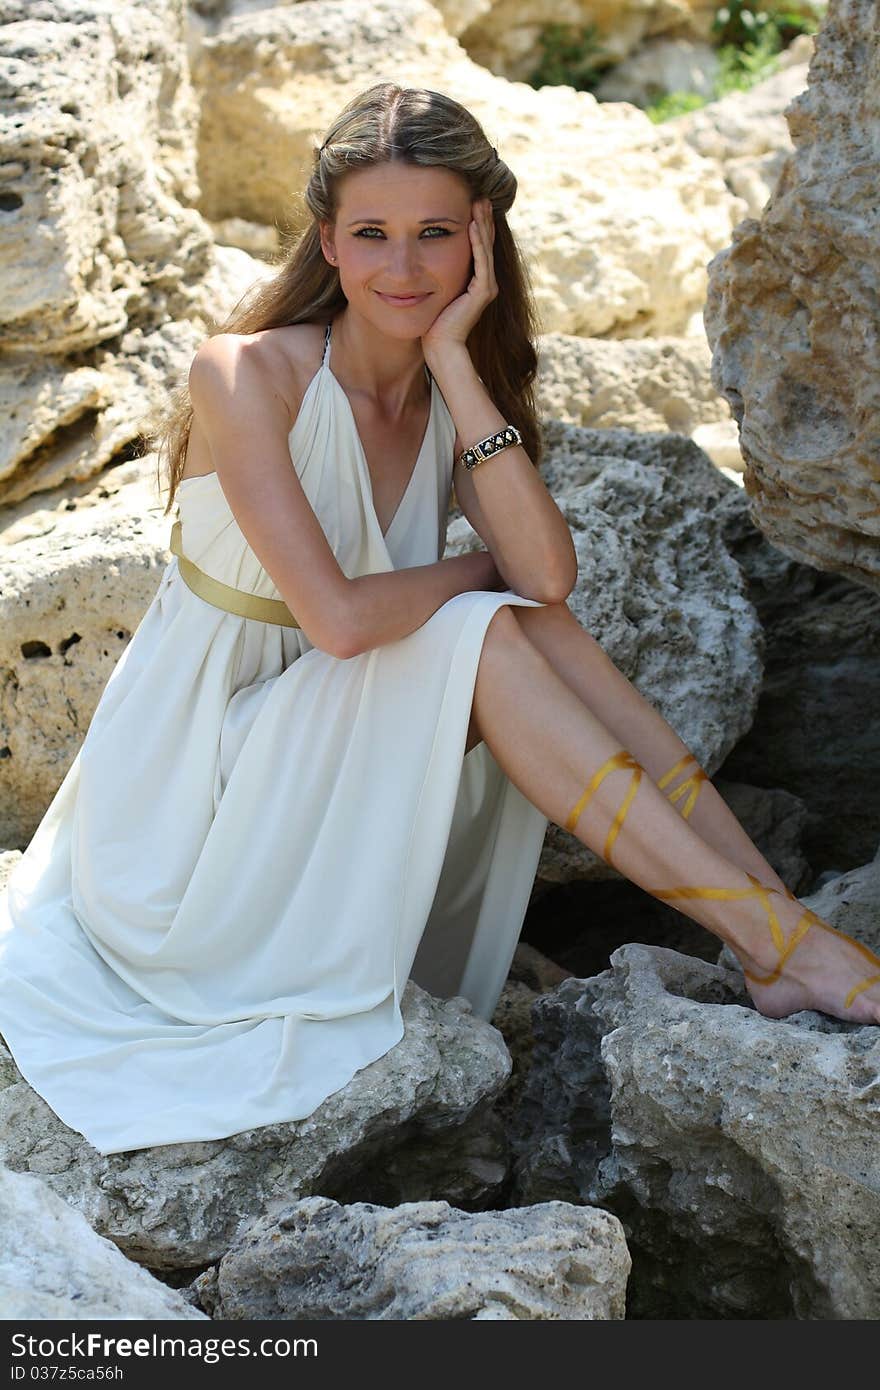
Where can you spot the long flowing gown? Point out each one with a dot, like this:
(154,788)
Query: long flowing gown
(258,843)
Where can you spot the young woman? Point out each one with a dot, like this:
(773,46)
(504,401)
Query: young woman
(326,760)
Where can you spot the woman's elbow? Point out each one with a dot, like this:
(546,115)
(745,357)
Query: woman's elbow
(334,630)
(339,639)
(557,584)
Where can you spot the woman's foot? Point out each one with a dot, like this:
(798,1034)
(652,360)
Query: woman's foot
(809,965)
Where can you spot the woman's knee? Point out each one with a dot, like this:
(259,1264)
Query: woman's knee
(503,636)
(547,616)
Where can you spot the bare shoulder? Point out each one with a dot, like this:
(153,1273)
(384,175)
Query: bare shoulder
(281,361)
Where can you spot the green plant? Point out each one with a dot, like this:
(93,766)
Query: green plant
(748,38)
(674,104)
(741,68)
(742,22)
(572,56)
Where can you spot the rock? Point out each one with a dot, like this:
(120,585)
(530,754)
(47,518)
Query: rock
(76,577)
(791,317)
(742,1155)
(776,821)
(747,134)
(69,422)
(179,1206)
(99,225)
(851,903)
(561,1129)
(617,245)
(719,440)
(531,968)
(424,1261)
(8,859)
(656,588)
(53,1265)
(638,384)
(504,36)
(115,279)
(658,67)
(815,731)
(468,1165)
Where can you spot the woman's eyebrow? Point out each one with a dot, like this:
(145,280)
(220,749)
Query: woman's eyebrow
(380,221)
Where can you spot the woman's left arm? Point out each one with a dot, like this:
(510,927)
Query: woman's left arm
(504,498)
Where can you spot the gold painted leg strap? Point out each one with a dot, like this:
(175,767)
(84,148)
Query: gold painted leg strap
(785,948)
(622,759)
(857,989)
(691,784)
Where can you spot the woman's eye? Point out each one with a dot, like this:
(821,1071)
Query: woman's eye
(444,231)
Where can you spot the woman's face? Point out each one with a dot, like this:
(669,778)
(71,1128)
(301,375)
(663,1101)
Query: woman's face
(401,230)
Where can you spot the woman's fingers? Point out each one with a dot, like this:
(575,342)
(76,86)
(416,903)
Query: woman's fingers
(482,236)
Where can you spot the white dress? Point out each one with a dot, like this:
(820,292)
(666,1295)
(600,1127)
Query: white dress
(258,843)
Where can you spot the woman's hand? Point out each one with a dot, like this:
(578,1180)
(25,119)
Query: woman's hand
(488,576)
(453,324)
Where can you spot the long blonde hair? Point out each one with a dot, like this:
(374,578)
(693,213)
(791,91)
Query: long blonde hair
(422,127)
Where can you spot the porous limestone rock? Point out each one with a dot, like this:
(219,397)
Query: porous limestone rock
(643,384)
(8,859)
(458,14)
(658,67)
(75,579)
(657,589)
(617,244)
(98,226)
(53,1265)
(815,731)
(112,276)
(180,1206)
(775,820)
(740,1152)
(792,316)
(747,133)
(423,1261)
(66,423)
(505,37)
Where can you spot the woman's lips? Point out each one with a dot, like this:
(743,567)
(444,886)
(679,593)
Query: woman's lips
(404,301)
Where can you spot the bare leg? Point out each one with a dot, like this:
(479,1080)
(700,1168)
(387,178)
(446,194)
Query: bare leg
(580,661)
(568,764)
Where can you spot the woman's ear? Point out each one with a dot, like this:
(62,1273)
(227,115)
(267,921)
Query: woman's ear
(328,244)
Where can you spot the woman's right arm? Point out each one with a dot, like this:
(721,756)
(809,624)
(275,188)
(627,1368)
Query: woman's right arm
(246,422)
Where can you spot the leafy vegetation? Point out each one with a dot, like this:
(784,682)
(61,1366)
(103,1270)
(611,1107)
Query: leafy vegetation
(570,57)
(748,38)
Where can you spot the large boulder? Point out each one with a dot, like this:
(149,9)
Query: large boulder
(180,1206)
(747,133)
(99,225)
(792,316)
(643,384)
(504,34)
(422,1261)
(740,1152)
(113,276)
(815,731)
(53,1265)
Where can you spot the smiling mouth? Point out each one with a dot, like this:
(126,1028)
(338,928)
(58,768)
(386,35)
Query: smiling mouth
(403,298)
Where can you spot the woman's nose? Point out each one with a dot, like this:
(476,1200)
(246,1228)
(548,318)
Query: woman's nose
(403,257)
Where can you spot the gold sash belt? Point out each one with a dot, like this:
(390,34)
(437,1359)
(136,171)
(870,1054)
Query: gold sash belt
(239,601)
